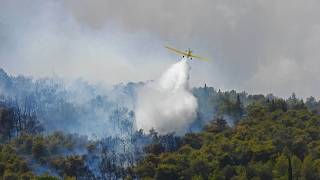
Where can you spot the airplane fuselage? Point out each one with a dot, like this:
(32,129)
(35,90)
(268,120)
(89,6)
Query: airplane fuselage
(189,53)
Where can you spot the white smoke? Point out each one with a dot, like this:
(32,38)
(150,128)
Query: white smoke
(166,104)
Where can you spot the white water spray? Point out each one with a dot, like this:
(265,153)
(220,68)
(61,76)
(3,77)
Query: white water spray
(166,104)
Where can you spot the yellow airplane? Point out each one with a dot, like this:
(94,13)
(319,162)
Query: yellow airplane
(187,53)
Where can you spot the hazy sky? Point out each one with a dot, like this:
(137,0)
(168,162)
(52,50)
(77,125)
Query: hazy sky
(259,46)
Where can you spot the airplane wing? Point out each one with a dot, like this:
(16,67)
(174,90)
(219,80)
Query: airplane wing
(198,57)
(176,51)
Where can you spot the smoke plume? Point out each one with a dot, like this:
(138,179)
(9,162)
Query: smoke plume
(166,104)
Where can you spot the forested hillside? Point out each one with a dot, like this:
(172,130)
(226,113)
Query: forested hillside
(272,141)
(53,130)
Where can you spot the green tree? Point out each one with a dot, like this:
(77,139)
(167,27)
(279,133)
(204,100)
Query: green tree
(296,167)
(307,169)
(38,149)
(9,175)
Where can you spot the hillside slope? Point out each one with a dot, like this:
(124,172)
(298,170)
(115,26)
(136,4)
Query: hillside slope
(270,142)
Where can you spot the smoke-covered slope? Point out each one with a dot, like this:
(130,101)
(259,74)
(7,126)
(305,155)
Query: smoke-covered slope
(76,107)
(165,104)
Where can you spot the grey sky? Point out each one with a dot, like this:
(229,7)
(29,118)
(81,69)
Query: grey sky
(259,46)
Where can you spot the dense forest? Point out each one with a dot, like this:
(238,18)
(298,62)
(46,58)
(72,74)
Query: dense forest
(49,130)
(272,141)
